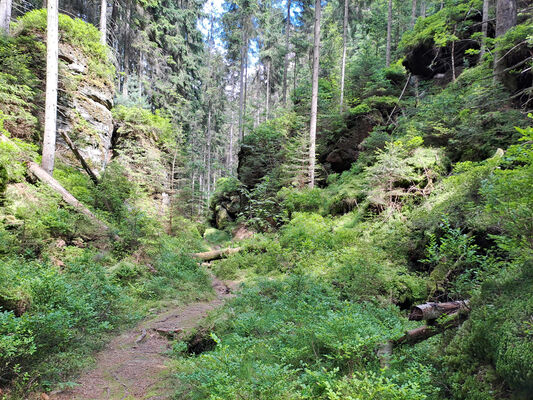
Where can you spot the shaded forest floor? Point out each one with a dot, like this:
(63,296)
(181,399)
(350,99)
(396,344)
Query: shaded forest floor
(134,365)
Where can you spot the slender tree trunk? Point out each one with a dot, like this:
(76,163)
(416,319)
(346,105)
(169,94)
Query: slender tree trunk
(103,22)
(245,89)
(5,15)
(241,86)
(423,9)
(50,118)
(286,60)
(344,45)
(506,15)
(268,90)
(454,75)
(484,28)
(314,95)
(413,14)
(389,34)
(209,137)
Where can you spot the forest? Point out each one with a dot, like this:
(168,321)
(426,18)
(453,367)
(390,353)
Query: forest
(266,199)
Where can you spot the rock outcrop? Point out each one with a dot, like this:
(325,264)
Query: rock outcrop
(85,103)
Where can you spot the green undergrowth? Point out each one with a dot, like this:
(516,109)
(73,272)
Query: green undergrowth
(403,226)
(293,338)
(67,287)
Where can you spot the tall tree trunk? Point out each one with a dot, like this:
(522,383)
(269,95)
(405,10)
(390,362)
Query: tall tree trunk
(314,96)
(268,90)
(103,22)
(423,9)
(484,28)
(241,85)
(209,137)
(413,14)
(245,88)
(344,45)
(286,60)
(5,15)
(389,34)
(50,116)
(506,15)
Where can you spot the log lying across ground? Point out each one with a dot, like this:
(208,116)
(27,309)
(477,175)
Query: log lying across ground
(429,311)
(425,332)
(216,254)
(68,198)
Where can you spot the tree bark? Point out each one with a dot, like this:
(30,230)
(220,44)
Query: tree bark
(241,86)
(286,59)
(209,138)
(216,254)
(429,311)
(344,45)
(413,14)
(506,15)
(5,15)
(50,124)
(389,34)
(314,96)
(268,90)
(103,22)
(423,9)
(484,28)
(425,332)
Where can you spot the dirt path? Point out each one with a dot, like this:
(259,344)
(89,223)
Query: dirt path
(133,365)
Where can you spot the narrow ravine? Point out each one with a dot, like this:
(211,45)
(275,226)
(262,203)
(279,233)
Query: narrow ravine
(134,364)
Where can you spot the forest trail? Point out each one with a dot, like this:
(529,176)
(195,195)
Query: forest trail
(134,365)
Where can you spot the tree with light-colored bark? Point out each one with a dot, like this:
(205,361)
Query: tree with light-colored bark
(344,45)
(50,117)
(5,15)
(314,95)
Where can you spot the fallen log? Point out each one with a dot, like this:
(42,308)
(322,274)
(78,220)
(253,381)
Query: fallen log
(422,333)
(68,198)
(429,311)
(216,254)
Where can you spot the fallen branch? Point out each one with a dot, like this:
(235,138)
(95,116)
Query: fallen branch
(429,311)
(422,333)
(216,254)
(68,198)
(399,99)
(80,158)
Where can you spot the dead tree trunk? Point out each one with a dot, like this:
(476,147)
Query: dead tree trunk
(68,198)
(216,254)
(103,22)
(429,311)
(422,333)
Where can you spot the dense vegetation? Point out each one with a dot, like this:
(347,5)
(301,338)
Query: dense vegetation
(423,193)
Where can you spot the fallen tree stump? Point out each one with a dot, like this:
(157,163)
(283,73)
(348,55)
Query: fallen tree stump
(429,311)
(216,254)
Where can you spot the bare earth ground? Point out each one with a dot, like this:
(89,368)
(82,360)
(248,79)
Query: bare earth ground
(131,368)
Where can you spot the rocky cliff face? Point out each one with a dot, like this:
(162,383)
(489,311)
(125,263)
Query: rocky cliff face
(85,95)
(85,110)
